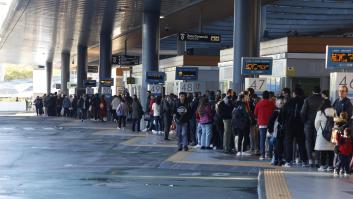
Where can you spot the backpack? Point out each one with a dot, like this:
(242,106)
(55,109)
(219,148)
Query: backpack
(327,130)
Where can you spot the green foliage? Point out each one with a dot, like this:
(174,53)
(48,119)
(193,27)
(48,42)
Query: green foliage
(16,72)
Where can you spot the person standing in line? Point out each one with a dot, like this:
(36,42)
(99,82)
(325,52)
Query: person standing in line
(308,114)
(293,127)
(323,146)
(115,103)
(38,102)
(225,109)
(254,130)
(156,108)
(167,115)
(122,111)
(263,111)
(205,113)
(137,113)
(182,113)
(344,144)
(66,106)
(343,103)
(241,124)
(83,105)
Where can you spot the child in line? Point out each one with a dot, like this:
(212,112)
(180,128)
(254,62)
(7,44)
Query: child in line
(344,144)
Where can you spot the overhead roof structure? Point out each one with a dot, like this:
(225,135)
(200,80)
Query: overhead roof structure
(36,31)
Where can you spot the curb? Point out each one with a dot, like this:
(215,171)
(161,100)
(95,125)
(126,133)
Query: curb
(261,189)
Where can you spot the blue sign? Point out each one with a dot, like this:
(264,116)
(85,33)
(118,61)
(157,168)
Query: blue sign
(184,73)
(339,57)
(256,66)
(155,77)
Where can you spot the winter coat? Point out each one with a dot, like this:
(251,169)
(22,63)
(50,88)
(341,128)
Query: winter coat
(344,105)
(122,110)
(205,115)
(66,103)
(137,111)
(345,145)
(182,112)
(310,107)
(240,117)
(167,110)
(225,108)
(263,111)
(321,144)
(85,101)
(115,103)
(290,116)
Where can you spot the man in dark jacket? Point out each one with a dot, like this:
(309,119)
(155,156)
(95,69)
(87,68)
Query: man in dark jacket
(225,109)
(308,114)
(83,106)
(182,113)
(343,103)
(167,115)
(293,126)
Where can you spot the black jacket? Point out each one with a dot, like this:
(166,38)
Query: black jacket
(344,105)
(290,115)
(240,117)
(225,109)
(310,108)
(182,112)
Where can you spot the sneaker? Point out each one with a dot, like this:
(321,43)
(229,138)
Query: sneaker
(214,148)
(203,148)
(154,132)
(118,128)
(145,130)
(287,165)
(186,148)
(335,172)
(239,154)
(209,148)
(197,146)
(321,169)
(161,132)
(246,153)
(261,158)
(329,169)
(305,164)
(180,149)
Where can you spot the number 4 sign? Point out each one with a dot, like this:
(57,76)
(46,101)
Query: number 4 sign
(258,84)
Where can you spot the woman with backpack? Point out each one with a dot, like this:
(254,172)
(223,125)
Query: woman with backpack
(324,146)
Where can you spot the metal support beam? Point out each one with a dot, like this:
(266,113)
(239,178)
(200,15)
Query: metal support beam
(150,42)
(49,70)
(65,72)
(81,68)
(246,37)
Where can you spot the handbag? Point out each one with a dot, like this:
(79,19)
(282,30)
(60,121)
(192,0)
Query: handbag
(173,126)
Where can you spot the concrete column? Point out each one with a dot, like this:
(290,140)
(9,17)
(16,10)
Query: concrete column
(65,72)
(150,42)
(246,36)
(105,57)
(81,68)
(49,70)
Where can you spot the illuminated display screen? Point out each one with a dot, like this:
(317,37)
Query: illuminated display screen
(106,82)
(155,77)
(183,73)
(256,66)
(339,57)
(89,83)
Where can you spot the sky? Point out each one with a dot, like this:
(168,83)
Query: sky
(4,8)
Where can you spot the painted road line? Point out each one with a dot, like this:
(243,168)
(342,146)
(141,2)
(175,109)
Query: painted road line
(191,177)
(276,185)
(28,128)
(48,128)
(8,128)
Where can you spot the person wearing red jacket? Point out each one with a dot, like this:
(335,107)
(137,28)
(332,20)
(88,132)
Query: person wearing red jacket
(263,112)
(345,149)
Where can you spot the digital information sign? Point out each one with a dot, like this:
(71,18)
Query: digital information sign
(256,66)
(155,77)
(339,57)
(89,83)
(200,37)
(184,73)
(106,82)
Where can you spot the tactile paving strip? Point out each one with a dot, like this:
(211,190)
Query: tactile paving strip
(276,185)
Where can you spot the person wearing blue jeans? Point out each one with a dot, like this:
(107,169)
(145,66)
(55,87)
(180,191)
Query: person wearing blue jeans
(205,114)
(182,115)
(263,111)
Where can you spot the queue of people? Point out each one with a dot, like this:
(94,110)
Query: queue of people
(289,129)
